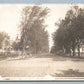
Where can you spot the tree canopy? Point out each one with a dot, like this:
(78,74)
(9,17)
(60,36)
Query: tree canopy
(71,31)
(33,34)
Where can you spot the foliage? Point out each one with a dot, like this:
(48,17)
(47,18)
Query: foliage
(70,31)
(33,34)
(4,39)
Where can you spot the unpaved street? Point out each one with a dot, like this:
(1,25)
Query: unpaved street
(39,66)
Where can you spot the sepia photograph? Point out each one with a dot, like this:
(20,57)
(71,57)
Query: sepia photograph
(41,42)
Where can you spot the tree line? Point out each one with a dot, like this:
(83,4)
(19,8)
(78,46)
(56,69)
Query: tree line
(70,32)
(34,37)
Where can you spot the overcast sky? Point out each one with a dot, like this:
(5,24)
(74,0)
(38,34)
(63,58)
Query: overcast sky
(10,18)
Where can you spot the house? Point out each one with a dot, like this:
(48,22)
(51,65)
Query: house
(81,47)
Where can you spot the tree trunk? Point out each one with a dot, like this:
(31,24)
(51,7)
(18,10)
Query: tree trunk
(78,49)
(70,53)
(35,49)
(63,50)
(73,48)
(73,51)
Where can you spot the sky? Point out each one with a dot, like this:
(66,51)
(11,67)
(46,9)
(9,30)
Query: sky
(10,16)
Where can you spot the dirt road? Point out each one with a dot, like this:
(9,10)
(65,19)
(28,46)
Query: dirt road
(39,66)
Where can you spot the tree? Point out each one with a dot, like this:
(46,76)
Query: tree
(32,27)
(70,31)
(4,39)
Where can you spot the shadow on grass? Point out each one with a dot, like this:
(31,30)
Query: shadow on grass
(70,73)
(68,58)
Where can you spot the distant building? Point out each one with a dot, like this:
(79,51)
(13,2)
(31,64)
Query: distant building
(81,47)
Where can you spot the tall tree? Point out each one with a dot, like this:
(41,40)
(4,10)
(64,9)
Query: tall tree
(32,26)
(71,30)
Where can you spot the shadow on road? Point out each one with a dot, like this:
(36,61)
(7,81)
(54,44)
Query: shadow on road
(70,73)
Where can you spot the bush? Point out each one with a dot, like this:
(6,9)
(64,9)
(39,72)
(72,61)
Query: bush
(8,54)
